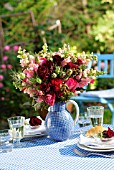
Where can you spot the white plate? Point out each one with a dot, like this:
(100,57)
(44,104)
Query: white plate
(96,143)
(36,135)
(94,150)
(99,147)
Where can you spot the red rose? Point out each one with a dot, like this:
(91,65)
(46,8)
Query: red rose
(57,59)
(43,72)
(79,62)
(56,83)
(50,65)
(72,65)
(34,121)
(108,133)
(45,69)
(60,93)
(92,81)
(45,87)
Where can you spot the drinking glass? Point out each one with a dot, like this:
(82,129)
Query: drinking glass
(83,120)
(96,114)
(5,141)
(16,125)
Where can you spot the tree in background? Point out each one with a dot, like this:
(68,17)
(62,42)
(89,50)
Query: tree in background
(104,33)
(88,24)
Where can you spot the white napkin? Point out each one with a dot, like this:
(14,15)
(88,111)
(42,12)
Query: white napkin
(34,131)
(86,140)
(96,142)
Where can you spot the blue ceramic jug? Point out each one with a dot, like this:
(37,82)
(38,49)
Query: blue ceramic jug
(59,122)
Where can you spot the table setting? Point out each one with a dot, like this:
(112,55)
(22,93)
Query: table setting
(36,130)
(95,144)
(62,139)
(98,138)
(41,152)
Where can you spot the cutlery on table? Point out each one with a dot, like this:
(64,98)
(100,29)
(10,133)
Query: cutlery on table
(92,153)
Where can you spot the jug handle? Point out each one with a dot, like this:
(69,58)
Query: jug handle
(76,107)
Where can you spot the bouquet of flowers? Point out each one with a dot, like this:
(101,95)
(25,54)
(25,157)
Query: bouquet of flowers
(51,77)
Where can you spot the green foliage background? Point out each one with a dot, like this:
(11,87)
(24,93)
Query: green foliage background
(86,24)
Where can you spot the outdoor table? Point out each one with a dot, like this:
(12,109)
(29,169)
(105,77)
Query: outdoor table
(42,153)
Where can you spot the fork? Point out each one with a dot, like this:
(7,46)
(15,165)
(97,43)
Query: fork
(92,153)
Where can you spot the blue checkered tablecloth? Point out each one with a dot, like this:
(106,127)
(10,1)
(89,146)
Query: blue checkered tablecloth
(42,153)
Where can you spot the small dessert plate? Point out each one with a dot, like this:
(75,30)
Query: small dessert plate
(95,149)
(34,127)
(107,139)
(96,143)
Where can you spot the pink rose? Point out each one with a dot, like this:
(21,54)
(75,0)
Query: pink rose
(15,48)
(1,85)
(1,77)
(2,98)
(50,99)
(72,84)
(5,58)
(7,48)
(9,66)
(3,66)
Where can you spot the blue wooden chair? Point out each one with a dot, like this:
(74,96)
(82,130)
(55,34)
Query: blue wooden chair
(101,96)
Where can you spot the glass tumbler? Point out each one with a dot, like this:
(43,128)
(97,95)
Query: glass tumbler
(16,125)
(5,141)
(96,114)
(83,120)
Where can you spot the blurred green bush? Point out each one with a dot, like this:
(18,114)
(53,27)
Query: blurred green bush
(87,26)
